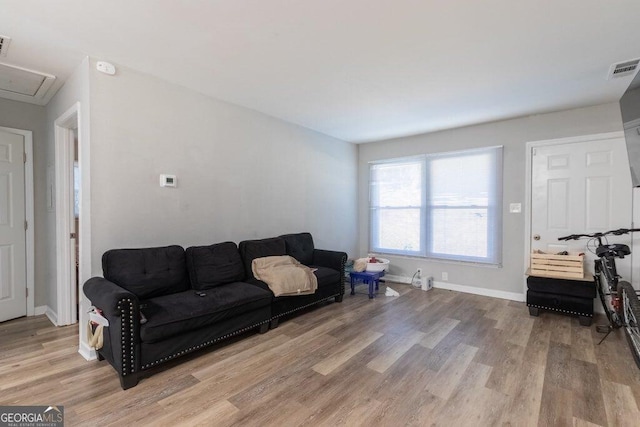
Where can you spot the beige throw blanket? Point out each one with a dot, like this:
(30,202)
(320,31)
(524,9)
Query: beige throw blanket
(284,275)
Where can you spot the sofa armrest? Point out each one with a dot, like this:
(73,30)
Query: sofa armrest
(122,309)
(108,296)
(335,260)
(330,259)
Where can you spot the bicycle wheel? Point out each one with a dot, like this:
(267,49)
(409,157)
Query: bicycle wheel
(630,315)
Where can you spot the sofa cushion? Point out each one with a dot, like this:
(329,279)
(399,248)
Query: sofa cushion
(214,265)
(147,272)
(327,278)
(174,314)
(300,246)
(252,249)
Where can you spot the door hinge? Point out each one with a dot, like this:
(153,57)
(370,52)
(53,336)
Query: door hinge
(26,226)
(25,157)
(73,236)
(27,292)
(534,151)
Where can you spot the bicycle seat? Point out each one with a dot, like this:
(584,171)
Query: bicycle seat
(617,250)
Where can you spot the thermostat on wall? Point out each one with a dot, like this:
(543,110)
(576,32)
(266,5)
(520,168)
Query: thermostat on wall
(167,180)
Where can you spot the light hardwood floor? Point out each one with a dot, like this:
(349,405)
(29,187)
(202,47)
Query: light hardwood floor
(424,358)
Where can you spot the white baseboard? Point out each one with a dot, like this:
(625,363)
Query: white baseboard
(40,310)
(52,315)
(46,310)
(87,352)
(397,279)
(513,296)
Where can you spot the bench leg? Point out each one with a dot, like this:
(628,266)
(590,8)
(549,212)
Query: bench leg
(339,298)
(534,311)
(128,381)
(263,328)
(584,320)
(274,323)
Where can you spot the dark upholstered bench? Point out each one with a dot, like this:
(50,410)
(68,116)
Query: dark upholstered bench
(572,297)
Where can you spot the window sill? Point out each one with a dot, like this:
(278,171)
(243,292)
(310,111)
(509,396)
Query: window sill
(438,260)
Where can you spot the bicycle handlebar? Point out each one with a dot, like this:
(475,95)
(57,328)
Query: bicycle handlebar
(618,232)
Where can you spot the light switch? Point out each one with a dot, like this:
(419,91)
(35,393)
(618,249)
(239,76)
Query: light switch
(515,207)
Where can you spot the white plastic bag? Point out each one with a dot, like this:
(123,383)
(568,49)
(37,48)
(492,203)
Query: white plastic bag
(391,293)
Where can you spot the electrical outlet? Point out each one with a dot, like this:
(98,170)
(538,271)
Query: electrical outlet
(445,276)
(419,272)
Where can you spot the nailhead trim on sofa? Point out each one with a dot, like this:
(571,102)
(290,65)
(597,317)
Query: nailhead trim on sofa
(560,310)
(205,344)
(126,328)
(305,306)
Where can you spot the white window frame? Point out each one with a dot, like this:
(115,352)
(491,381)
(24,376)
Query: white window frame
(493,208)
(373,209)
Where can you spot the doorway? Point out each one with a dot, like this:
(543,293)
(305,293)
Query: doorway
(16,224)
(68,219)
(577,185)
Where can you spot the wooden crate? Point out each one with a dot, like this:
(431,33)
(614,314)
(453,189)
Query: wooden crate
(560,266)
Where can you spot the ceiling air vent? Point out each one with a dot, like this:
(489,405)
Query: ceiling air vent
(623,68)
(4,45)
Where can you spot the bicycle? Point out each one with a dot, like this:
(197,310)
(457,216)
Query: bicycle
(618,297)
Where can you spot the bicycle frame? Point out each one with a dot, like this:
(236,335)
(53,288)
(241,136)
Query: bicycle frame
(606,267)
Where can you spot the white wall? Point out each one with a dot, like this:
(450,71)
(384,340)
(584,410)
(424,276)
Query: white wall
(240,174)
(513,135)
(20,115)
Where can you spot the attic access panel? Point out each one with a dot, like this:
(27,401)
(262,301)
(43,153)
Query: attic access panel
(24,82)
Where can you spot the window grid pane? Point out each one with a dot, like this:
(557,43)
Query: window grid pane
(397,185)
(462,232)
(398,230)
(397,200)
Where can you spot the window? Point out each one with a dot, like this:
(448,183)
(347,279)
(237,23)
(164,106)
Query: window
(445,206)
(397,207)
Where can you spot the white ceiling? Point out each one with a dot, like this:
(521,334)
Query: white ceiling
(358,70)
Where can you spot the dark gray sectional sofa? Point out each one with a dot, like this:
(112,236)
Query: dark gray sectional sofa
(162,303)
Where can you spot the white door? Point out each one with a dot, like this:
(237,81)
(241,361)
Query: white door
(580,187)
(13,283)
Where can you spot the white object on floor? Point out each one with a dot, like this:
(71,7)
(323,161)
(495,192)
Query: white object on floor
(391,293)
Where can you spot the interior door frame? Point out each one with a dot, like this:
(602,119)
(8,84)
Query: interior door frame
(65,272)
(531,145)
(29,214)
